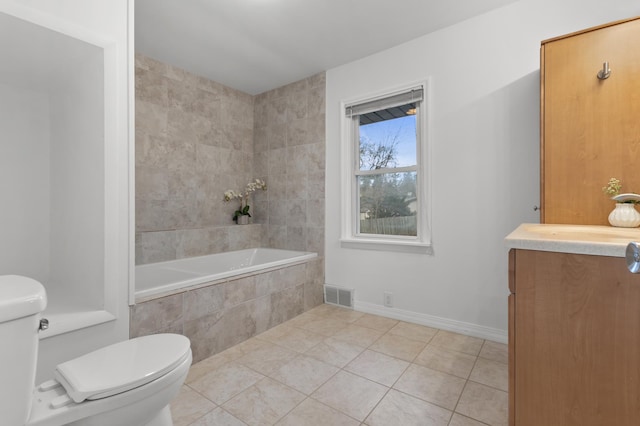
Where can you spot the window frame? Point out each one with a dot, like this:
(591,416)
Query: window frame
(350,237)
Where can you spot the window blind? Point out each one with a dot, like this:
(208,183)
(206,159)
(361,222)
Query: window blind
(412,95)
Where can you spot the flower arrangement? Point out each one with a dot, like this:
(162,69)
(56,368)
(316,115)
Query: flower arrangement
(243,196)
(613,190)
(613,187)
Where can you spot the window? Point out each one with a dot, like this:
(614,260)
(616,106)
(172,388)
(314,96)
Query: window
(385,152)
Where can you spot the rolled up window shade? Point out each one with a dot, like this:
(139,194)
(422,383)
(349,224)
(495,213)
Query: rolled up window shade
(412,95)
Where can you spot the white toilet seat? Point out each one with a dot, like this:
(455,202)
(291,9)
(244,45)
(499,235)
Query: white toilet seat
(122,366)
(47,409)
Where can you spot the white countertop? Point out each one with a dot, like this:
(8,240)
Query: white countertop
(578,239)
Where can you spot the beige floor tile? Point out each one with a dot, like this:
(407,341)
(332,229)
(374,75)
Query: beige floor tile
(398,346)
(332,338)
(313,413)
(302,319)
(264,403)
(350,394)
(495,351)
(267,359)
(343,314)
(304,374)
(458,420)
(294,338)
(218,417)
(324,326)
(457,342)
(414,331)
(213,362)
(445,360)
(485,404)
(430,385)
(225,382)
(358,335)
(376,322)
(491,373)
(335,352)
(397,408)
(189,406)
(378,367)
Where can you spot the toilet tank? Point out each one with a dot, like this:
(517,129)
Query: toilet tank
(22,301)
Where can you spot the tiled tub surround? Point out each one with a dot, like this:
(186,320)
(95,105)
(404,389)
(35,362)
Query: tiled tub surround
(196,138)
(219,315)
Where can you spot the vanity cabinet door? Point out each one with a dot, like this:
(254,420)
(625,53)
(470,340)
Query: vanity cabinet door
(590,129)
(574,334)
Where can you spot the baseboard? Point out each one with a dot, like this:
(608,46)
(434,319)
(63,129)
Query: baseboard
(488,333)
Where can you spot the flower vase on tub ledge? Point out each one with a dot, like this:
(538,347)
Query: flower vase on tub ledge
(242,215)
(624,215)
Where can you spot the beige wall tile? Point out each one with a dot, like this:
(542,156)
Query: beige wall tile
(150,317)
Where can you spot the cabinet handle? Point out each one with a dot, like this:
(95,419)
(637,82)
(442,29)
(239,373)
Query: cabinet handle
(633,257)
(605,72)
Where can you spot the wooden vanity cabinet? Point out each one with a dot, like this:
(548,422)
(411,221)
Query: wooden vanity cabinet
(574,340)
(590,129)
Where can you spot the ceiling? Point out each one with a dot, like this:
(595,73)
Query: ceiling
(259,45)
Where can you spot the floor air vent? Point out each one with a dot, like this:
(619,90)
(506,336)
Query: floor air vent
(338,296)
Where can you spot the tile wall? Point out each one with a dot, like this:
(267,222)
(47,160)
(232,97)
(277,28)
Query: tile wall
(289,153)
(221,315)
(196,138)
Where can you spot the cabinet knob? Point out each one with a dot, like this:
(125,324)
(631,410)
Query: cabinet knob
(633,257)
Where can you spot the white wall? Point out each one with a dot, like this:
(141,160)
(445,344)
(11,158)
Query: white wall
(104,23)
(24,182)
(484,166)
(77,182)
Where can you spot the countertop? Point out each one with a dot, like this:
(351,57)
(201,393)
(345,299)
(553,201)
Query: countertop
(578,239)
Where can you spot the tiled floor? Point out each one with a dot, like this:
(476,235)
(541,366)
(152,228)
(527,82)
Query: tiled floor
(333,367)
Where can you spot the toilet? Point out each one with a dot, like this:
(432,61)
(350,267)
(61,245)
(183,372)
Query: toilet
(128,383)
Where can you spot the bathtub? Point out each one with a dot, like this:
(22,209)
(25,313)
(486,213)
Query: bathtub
(165,278)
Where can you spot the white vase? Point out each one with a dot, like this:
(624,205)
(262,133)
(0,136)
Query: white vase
(243,219)
(624,215)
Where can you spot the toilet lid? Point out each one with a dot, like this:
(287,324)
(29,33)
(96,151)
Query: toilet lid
(122,366)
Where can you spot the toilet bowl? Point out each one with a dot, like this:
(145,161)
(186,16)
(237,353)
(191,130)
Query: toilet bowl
(126,384)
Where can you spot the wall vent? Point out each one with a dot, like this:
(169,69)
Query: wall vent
(338,296)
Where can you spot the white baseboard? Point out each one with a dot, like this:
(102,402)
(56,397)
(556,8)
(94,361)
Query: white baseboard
(488,333)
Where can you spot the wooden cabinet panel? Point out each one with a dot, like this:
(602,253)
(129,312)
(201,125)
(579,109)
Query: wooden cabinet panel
(575,325)
(590,129)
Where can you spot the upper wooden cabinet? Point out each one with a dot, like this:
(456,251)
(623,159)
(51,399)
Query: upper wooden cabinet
(590,127)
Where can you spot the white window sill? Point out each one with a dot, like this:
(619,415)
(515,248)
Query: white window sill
(387,245)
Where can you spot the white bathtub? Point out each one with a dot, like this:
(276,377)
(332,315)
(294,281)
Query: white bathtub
(165,278)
